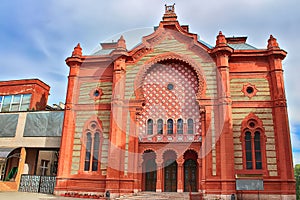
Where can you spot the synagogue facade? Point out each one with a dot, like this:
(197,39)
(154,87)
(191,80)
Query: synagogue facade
(174,114)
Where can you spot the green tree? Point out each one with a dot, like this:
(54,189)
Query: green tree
(297,177)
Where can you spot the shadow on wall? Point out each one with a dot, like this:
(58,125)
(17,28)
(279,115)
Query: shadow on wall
(41,105)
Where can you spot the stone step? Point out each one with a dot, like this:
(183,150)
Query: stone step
(156,196)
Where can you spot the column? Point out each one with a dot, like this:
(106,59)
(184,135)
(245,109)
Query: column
(159,175)
(20,166)
(180,176)
(199,175)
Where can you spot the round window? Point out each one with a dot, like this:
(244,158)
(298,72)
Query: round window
(170,86)
(249,90)
(252,124)
(96,93)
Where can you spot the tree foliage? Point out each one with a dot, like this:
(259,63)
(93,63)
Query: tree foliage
(297,177)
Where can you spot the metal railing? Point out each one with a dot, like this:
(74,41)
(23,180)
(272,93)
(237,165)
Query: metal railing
(37,184)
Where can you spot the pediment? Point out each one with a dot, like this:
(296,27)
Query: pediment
(168,31)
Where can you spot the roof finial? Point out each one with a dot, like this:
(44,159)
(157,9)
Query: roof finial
(121,43)
(77,51)
(169,13)
(272,43)
(170,8)
(221,40)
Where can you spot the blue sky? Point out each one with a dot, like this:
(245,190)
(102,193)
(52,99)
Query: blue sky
(37,36)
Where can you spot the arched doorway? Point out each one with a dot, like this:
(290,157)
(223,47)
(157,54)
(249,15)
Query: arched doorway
(150,169)
(190,175)
(170,171)
(190,171)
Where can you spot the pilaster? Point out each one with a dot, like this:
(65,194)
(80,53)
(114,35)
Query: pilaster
(284,151)
(65,159)
(116,163)
(159,180)
(223,115)
(180,174)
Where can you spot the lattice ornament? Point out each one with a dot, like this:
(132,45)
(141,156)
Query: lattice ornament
(170,93)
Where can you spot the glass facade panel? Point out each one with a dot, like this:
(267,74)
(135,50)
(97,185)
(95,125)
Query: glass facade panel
(25,102)
(16,99)
(26,98)
(15,107)
(20,102)
(6,103)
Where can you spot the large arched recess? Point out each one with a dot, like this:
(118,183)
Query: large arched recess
(170,56)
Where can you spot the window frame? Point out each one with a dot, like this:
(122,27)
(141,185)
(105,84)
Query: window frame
(160,131)
(1,102)
(12,102)
(180,129)
(94,128)
(150,126)
(190,126)
(252,124)
(170,127)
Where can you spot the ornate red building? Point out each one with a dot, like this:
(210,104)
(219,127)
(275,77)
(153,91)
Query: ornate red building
(174,114)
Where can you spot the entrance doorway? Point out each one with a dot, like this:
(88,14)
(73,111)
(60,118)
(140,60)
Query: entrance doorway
(170,179)
(150,175)
(190,176)
(149,170)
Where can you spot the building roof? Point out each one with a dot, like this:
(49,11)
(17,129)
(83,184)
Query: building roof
(242,46)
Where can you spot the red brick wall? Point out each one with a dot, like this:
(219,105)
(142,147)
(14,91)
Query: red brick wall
(38,89)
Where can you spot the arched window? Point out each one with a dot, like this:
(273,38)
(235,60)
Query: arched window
(248,148)
(88,148)
(150,127)
(257,148)
(170,126)
(252,143)
(96,152)
(160,126)
(92,143)
(190,123)
(179,126)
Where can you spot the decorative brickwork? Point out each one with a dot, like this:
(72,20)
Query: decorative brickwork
(177,115)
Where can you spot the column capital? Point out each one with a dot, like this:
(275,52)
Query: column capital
(159,161)
(180,161)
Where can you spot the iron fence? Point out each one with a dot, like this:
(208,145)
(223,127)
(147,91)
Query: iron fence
(37,184)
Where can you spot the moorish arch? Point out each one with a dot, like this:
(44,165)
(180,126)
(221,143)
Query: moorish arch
(170,56)
(170,171)
(170,87)
(191,174)
(149,170)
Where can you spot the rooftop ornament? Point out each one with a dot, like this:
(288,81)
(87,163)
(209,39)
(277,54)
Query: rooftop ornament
(272,43)
(169,13)
(77,51)
(170,9)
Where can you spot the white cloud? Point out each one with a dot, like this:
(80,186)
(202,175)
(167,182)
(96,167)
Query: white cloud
(296,158)
(57,26)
